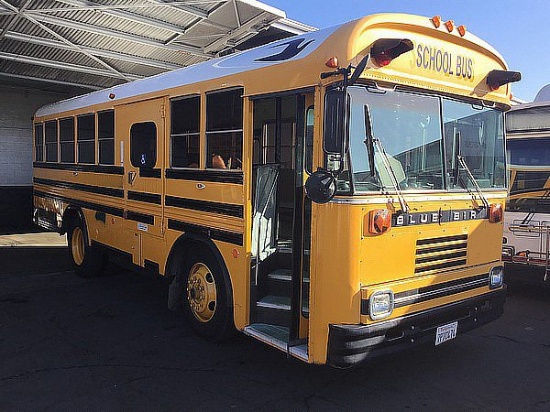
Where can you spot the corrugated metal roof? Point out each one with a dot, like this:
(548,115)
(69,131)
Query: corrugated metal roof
(101,43)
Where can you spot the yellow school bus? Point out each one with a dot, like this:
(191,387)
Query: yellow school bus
(337,195)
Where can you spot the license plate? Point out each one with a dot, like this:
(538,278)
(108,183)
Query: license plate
(445,333)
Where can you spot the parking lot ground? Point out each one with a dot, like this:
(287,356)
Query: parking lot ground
(109,343)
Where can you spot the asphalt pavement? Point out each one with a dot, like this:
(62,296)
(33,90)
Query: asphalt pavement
(110,344)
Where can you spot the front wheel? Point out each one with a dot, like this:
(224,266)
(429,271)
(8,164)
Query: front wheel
(207,297)
(87,261)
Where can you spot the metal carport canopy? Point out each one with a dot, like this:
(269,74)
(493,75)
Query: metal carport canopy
(102,43)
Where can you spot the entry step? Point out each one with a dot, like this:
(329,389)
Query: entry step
(283,275)
(274,302)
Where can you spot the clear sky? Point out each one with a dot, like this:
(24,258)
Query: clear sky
(519,29)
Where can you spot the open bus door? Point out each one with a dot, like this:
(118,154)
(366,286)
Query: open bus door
(281,223)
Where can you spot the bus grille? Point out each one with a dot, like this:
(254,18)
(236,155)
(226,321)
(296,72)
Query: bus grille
(440,253)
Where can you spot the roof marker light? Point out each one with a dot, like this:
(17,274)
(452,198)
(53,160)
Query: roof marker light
(383,51)
(436,20)
(332,62)
(450,25)
(461,30)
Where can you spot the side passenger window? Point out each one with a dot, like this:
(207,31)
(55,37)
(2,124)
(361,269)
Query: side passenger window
(86,138)
(185,131)
(51,141)
(143,145)
(224,129)
(39,142)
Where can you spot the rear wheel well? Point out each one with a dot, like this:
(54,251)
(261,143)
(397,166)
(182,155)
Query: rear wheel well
(71,213)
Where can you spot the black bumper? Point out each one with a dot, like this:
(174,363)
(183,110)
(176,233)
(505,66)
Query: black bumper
(349,345)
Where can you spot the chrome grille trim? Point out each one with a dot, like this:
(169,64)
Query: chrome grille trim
(440,254)
(413,296)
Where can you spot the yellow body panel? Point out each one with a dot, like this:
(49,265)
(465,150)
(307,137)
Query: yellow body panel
(361,264)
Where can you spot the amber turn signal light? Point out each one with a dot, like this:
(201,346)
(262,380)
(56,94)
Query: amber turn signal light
(495,213)
(379,221)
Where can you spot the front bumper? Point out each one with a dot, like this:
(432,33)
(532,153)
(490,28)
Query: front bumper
(349,345)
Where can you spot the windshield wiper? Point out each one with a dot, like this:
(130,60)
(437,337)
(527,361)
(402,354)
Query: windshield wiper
(371,142)
(462,162)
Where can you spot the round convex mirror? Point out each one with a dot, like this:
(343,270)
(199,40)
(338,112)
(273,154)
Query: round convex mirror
(321,186)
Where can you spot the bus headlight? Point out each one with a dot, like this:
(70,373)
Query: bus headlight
(381,304)
(496,277)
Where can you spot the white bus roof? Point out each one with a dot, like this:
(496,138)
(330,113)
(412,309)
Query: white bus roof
(289,49)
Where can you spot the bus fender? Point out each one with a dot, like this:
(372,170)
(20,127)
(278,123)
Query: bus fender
(70,213)
(181,249)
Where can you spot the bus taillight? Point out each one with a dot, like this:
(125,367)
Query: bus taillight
(383,51)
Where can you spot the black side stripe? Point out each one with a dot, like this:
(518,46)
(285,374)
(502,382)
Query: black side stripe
(115,211)
(145,197)
(139,217)
(113,170)
(206,175)
(217,234)
(107,191)
(204,206)
(146,172)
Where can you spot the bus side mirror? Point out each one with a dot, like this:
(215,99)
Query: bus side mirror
(333,141)
(321,186)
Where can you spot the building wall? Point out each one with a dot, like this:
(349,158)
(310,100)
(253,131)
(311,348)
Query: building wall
(17,106)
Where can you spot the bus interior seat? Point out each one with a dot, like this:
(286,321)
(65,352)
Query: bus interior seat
(218,162)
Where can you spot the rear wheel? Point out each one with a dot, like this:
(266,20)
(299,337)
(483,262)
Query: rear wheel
(87,261)
(206,295)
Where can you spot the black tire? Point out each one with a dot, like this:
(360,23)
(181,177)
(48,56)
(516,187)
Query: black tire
(206,294)
(88,262)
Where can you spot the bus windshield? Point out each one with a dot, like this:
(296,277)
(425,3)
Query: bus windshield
(412,142)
